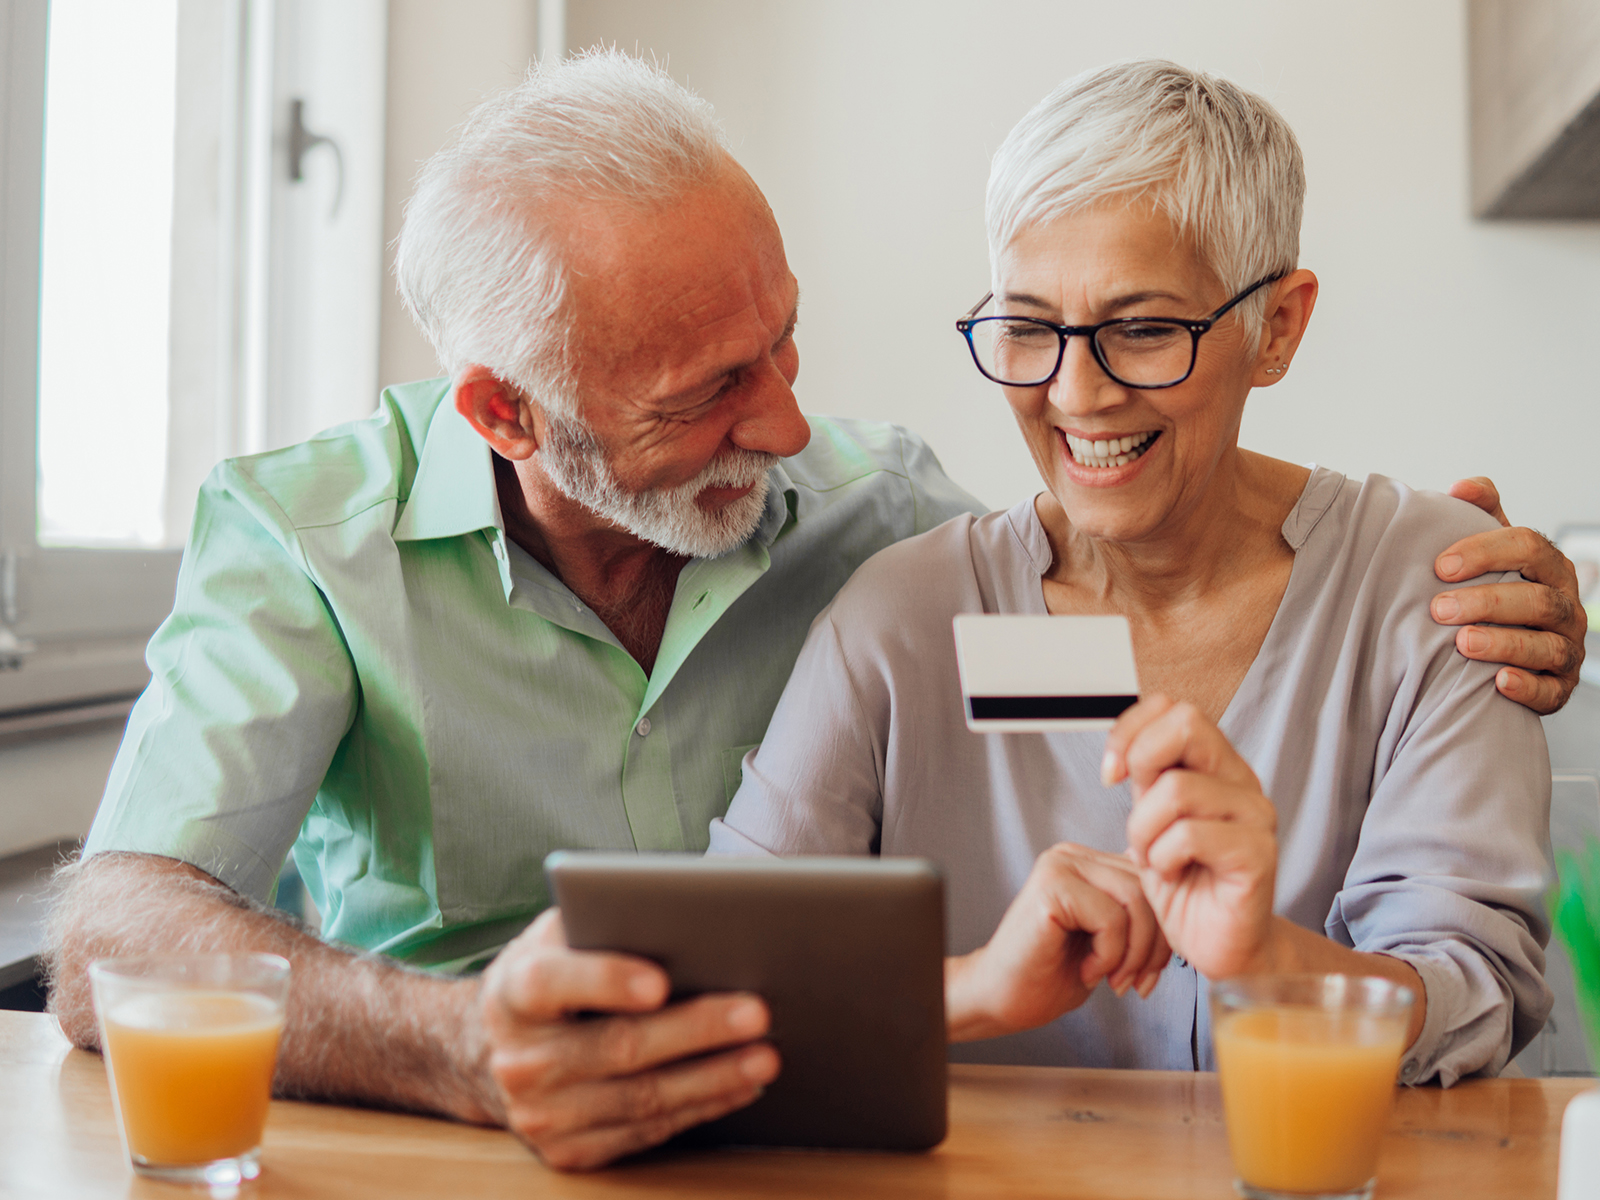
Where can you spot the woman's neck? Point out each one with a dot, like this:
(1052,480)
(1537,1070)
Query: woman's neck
(1234,530)
(1200,596)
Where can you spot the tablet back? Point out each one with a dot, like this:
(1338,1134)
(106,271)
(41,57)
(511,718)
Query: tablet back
(847,952)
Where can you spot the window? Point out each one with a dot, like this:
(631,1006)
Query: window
(190,268)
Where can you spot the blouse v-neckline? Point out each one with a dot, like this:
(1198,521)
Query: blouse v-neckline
(1321,489)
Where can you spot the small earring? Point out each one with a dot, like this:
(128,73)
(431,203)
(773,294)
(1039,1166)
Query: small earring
(1278,370)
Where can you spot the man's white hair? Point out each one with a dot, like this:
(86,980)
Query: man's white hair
(1218,160)
(479,255)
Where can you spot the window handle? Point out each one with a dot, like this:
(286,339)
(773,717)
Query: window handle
(302,141)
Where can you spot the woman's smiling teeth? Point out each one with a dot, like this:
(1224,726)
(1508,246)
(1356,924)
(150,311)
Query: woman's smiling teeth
(1108,452)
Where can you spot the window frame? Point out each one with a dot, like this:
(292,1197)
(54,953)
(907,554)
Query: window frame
(257,256)
(82,615)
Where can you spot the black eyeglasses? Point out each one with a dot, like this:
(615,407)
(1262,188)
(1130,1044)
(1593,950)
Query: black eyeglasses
(1137,352)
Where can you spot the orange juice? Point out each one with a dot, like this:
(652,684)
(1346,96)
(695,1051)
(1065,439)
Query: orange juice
(192,1071)
(1306,1092)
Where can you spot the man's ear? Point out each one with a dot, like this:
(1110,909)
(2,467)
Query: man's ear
(1288,313)
(499,412)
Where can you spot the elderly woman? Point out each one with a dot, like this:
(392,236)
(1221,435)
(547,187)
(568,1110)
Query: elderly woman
(1144,228)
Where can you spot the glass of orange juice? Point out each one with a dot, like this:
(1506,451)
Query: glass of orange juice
(1308,1066)
(190,1042)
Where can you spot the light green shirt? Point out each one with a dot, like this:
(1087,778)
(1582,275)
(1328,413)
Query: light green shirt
(359,655)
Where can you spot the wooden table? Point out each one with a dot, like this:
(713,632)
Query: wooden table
(1015,1132)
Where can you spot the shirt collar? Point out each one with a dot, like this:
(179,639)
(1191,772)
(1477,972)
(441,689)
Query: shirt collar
(453,492)
(454,489)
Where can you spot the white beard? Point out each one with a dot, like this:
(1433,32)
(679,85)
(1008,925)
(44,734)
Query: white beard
(665,517)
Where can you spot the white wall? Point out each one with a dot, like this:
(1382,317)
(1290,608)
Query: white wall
(1441,346)
(49,789)
(443,59)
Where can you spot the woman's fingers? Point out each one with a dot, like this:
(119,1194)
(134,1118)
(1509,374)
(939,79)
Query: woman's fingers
(1078,905)
(1187,795)
(1180,736)
(1144,946)
(1133,722)
(1225,848)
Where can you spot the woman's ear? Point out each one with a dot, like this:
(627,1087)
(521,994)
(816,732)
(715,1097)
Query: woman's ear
(499,412)
(1283,325)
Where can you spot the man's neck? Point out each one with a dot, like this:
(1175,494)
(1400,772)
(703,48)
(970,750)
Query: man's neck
(626,581)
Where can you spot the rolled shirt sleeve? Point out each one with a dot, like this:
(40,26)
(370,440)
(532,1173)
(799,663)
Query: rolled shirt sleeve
(252,689)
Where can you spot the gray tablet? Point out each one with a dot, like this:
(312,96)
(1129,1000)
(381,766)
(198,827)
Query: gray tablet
(847,952)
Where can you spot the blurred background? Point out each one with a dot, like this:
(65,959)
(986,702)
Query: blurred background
(198,198)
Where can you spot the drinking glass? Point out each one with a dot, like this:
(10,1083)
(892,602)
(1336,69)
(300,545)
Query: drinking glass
(1308,1066)
(190,1042)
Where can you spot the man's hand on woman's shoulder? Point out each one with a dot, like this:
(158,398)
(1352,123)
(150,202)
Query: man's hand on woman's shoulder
(1536,628)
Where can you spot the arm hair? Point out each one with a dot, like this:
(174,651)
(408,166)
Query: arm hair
(360,1028)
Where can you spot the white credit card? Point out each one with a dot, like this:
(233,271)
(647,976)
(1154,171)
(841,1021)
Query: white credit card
(1032,674)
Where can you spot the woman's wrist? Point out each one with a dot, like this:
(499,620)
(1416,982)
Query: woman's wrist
(1278,951)
(967,1017)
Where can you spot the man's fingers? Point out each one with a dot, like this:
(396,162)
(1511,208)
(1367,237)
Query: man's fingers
(718,1087)
(536,983)
(1517,647)
(596,1148)
(648,1096)
(1516,548)
(626,1045)
(1480,491)
(547,930)
(1544,694)
(1531,604)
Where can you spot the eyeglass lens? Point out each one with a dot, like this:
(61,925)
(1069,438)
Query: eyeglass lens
(1141,353)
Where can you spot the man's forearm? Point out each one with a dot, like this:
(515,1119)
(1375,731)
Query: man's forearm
(358,1029)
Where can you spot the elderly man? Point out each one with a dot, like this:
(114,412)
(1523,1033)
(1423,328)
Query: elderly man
(548,602)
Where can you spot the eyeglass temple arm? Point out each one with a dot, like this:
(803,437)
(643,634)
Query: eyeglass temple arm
(1248,292)
(973,311)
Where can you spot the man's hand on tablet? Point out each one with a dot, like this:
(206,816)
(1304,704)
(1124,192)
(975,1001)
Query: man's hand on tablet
(1535,627)
(583,1089)
(1080,918)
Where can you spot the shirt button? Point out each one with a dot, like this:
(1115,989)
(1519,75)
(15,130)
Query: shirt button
(643,727)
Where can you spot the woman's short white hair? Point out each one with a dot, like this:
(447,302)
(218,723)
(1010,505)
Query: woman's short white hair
(478,257)
(1218,160)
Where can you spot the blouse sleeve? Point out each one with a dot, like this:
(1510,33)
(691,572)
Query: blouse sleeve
(815,784)
(1453,861)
